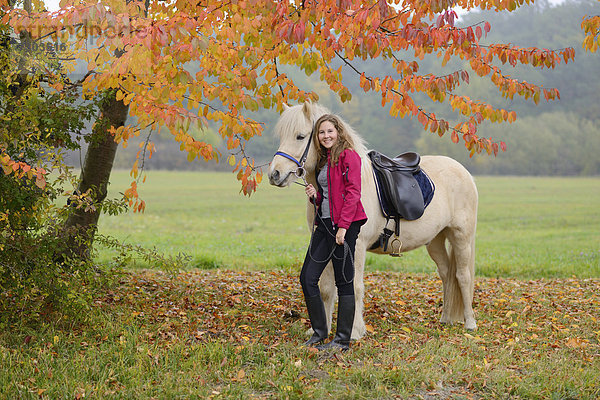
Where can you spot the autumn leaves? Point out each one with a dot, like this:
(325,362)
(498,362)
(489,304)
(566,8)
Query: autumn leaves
(193,67)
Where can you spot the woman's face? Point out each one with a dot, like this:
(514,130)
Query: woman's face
(328,135)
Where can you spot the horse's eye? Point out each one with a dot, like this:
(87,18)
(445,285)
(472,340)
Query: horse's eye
(300,137)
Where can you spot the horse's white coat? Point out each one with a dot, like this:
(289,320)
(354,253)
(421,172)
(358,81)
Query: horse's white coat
(447,227)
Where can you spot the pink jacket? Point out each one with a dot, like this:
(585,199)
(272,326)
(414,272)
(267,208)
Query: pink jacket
(344,181)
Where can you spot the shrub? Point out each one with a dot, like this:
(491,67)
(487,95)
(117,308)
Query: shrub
(36,280)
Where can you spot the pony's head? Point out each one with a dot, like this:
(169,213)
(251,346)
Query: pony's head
(294,131)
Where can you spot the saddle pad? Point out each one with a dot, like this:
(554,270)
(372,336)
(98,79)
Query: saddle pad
(426,185)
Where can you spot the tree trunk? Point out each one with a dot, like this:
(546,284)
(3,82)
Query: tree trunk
(81,225)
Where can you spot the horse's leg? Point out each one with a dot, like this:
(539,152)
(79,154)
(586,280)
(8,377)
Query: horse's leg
(463,253)
(359,329)
(438,253)
(328,292)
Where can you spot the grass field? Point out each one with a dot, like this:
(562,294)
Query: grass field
(228,334)
(230,326)
(528,227)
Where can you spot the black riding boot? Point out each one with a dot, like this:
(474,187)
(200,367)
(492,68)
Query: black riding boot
(318,320)
(344,325)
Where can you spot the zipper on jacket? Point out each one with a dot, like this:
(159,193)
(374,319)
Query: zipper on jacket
(329,187)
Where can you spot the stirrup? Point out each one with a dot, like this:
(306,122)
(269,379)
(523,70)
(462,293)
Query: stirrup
(398,252)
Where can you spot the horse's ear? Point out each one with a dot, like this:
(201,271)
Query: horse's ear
(285,107)
(307,110)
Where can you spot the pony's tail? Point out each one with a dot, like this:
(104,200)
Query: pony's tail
(454,300)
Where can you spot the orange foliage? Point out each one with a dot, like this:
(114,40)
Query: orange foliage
(591,28)
(238,47)
(22,170)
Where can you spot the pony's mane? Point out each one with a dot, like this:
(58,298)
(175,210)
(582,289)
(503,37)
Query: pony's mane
(294,117)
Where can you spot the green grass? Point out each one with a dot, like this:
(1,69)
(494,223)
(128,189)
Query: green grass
(230,326)
(203,215)
(528,227)
(229,335)
(539,227)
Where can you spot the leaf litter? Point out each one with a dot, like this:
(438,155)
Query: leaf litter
(524,319)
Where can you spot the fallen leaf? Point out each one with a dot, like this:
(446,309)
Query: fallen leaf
(575,343)
(241,374)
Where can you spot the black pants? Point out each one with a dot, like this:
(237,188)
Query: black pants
(324,248)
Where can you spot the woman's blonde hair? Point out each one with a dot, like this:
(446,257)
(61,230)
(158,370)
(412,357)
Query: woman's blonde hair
(344,140)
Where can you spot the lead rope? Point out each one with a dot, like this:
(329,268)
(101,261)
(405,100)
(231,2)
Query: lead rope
(347,251)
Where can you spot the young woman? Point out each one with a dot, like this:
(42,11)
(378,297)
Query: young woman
(339,217)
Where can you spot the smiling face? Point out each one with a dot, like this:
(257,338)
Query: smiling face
(328,134)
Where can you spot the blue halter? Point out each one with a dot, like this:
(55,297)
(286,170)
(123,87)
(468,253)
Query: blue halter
(300,171)
(286,155)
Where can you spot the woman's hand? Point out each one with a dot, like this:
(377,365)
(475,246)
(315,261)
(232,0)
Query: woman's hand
(340,235)
(311,192)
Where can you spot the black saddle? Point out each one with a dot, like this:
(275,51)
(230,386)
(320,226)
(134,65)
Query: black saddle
(403,190)
(397,186)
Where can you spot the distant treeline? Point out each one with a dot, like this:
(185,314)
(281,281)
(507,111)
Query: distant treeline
(558,138)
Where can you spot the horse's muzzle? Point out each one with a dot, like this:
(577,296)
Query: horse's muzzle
(274,177)
(277,179)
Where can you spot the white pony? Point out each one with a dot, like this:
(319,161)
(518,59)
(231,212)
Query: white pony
(447,228)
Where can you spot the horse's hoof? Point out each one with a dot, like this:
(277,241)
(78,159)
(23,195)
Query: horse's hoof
(358,333)
(471,326)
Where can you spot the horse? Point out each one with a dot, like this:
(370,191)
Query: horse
(446,228)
